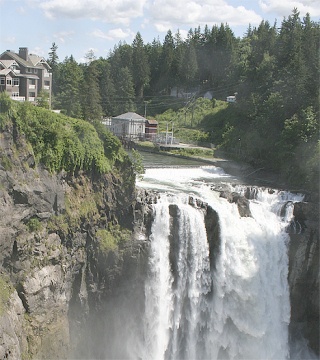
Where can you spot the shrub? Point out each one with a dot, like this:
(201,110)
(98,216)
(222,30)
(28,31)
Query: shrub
(6,289)
(34,225)
(5,162)
(60,142)
(110,239)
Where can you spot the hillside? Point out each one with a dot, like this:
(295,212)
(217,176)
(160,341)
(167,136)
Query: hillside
(290,150)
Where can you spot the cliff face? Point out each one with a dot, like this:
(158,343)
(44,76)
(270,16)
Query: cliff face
(65,243)
(304,273)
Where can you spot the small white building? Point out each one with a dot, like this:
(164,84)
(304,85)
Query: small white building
(231,99)
(128,125)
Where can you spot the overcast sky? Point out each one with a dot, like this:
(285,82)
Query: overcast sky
(77,26)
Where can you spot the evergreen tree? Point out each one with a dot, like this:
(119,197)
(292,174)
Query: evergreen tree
(124,91)
(91,99)
(68,98)
(190,67)
(90,56)
(178,61)
(53,61)
(292,71)
(167,63)
(154,51)
(106,87)
(311,50)
(140,66)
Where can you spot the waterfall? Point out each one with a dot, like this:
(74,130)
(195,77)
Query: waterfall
(178,282)
(238,309)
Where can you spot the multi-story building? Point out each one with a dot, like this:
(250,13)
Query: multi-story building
(23,76)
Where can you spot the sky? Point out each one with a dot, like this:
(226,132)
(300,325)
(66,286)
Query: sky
(80,26)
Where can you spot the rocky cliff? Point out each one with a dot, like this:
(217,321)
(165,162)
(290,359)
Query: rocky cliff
(304,272)
(66,241)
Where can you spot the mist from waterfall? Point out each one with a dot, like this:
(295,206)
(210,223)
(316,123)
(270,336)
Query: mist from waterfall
(240,309)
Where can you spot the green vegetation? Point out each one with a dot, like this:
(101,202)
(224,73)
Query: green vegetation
(34,225)
(6,290)
(113,237)
(194,152)
(137,162)
(60,142)
(5,162)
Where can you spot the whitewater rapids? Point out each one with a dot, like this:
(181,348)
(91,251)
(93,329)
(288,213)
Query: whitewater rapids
(241,308)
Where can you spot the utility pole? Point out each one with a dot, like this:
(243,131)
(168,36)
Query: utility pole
(167,135)
(172,134)
(145,109)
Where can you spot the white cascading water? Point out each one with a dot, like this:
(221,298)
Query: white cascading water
(240,310)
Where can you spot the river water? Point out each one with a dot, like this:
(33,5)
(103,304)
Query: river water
(241,308)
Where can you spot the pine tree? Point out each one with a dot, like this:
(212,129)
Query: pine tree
(53,57)
(106,87)
(190,67)
(154,51)
(91,103)
(71,77)
(167,61)
(53,62)
(124,91)
(140,66)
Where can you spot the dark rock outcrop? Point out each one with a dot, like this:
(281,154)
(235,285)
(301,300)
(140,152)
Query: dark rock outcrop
(241,201)
(304,273)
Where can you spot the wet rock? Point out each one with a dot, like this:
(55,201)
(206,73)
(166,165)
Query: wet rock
(304,274)
(242,202)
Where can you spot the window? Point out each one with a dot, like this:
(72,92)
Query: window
(32,81)
(47,83)
(35,71)
(2,81)
(32,94)
(15,94)
(16,81)
(29,70)
(9,82)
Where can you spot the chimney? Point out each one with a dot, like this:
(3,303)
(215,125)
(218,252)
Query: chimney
(23,53)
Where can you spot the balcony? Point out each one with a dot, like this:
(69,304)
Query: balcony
(46,87)
(18,98)
(32,86)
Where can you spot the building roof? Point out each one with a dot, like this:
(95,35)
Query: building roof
(5,72)
(8,63)
(33,60)
(152,122)
(130,116)
(17,58)
(38,60)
